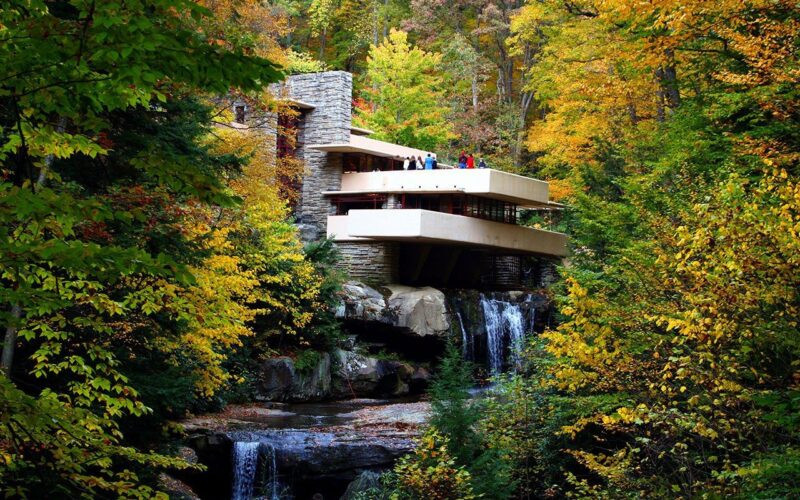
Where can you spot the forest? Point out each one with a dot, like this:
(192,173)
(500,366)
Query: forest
(149,260)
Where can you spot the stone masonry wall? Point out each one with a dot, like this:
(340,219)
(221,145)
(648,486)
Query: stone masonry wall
(329,122)
(375,261)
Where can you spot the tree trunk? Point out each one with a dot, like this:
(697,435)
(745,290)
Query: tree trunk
(322,37)
(10,342)
(669,96)
(671,87)
(375,23)
(475,92)
(526,98)
(385,18)
(10,339)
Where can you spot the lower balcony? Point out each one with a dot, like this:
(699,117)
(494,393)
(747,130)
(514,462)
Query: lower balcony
(425,226)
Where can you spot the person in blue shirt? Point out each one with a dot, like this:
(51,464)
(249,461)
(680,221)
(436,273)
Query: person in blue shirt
(429,162)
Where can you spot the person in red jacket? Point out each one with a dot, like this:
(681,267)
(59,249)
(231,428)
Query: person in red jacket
(470,161)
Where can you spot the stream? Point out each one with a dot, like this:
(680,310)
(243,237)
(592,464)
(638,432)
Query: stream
(296,451)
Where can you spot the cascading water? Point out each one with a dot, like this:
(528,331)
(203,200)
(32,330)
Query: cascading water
(506,329)
(273,489)
(514,325)
(494,334)
(245,463)
(245,466)
(467,342)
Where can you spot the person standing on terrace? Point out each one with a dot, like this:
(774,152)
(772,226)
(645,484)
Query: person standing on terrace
(428,162)
(435,163)
(406,163)
(481,164)
(412,163)
(470,161)
(420,163)
(462,160)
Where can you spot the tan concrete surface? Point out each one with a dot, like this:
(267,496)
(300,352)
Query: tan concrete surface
(437,227)
(523,191)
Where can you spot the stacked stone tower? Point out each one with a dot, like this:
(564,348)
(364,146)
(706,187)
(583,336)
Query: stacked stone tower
(325,120)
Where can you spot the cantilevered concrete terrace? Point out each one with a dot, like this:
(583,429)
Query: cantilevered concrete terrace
(425,226)
(522,191)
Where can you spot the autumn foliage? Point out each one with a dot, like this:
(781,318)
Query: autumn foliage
(143,239)
(674,372)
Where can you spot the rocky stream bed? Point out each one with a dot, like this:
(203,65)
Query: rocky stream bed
(299,450)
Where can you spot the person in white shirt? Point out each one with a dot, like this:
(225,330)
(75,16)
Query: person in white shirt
(406,162)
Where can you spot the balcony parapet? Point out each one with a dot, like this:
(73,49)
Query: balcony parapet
(522,191)
(425,226)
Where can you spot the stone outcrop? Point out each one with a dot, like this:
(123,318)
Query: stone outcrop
(358,375)
(355,374)
(342,374)
(361,302)
(279,380)
(419,311)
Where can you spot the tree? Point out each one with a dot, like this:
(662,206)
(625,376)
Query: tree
(674,369)
(93,250)
(457,417)
(404,91)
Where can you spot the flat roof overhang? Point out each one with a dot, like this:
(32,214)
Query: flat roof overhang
(425,226)
(494,184)
(361,144)
(361,131)
(298,103)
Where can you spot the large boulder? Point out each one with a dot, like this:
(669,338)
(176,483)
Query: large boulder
(341,374)
(420,379)
(276,379)
(315,384)
(362,302)
(280,380)
(354,374)
(421,310)
(357,375)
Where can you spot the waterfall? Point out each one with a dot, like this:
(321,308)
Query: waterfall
(245,463)
(273,490)
(506,330)
(494,334)
(514,325)
(467,342)
(245,466)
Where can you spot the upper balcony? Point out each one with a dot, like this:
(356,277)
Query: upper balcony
(383,164)
(516,189)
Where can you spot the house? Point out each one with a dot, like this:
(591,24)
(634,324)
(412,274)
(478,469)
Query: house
(446,227)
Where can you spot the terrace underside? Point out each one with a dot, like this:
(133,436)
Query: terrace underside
(450,266)
(444,265)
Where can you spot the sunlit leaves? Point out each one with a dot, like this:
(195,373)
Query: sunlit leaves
(682,289)
(404,91)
